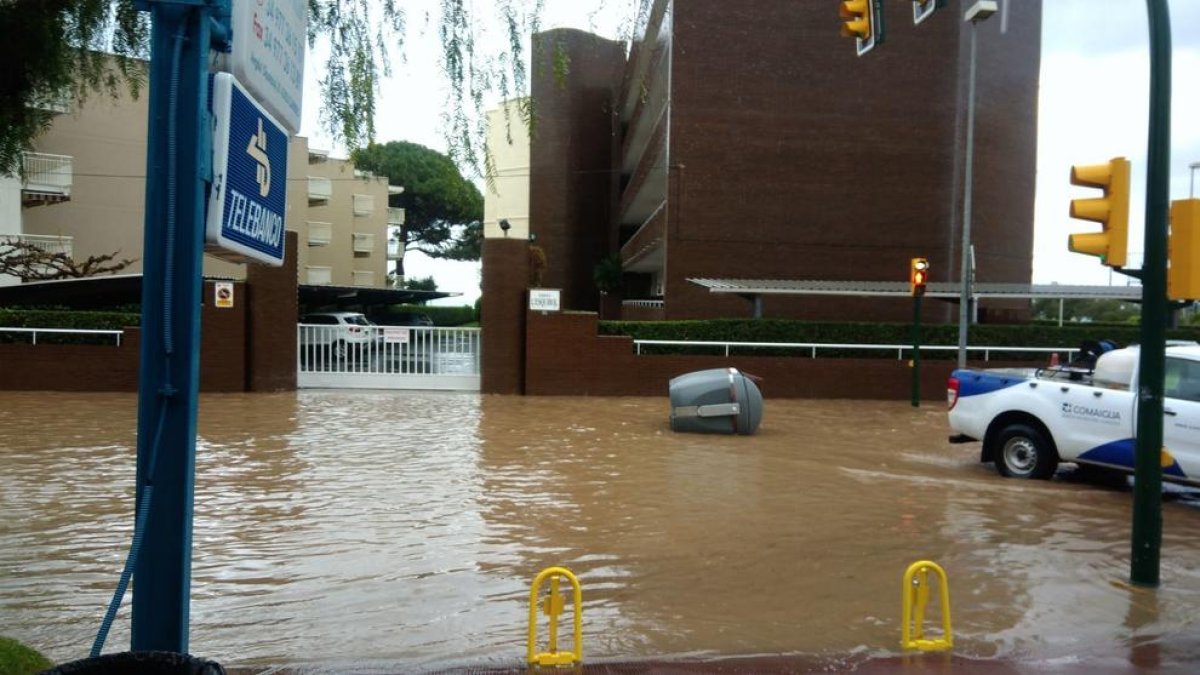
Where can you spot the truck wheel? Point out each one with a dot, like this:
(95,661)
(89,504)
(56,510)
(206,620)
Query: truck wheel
(1024,452)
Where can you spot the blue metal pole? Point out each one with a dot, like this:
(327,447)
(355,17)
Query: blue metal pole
(176,165)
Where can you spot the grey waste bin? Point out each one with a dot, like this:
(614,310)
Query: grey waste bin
(139,663)
(715,401)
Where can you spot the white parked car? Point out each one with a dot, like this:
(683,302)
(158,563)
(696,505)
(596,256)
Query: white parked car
(335,334)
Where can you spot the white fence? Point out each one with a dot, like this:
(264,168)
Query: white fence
(813,347)
(388,357)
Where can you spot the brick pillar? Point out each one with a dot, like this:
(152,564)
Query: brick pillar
(273,309)
(505,280)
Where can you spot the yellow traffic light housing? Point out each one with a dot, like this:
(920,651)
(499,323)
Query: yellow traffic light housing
(1183,251)
(863,21)
(1111,211)
(918,276)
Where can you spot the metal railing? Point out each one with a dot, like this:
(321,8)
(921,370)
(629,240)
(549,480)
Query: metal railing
(48,174)
(654,304)
(814,347)
(388,350)
(33,333)
(49,243)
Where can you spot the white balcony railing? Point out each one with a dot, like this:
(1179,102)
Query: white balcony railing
(319,233)
(46,242)
(47,176)
(395,216)
(318,276)
(364,205)
(364,242)
(319,189)
(363,278)
(395,250)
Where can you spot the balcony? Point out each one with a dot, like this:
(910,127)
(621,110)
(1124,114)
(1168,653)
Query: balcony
(395,251)
(318,275)
(363,278)
(364,205)
(319,233)
(48,178)
(46,242)
(395,216)
(319,189)
(364,242)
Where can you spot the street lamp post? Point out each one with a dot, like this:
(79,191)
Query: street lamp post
(979,11)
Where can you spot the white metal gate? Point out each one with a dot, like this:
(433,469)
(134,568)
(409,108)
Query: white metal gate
(388,357)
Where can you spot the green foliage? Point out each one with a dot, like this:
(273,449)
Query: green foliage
(17,659)
(780,330)
(70,319)
(51,51)
(443,210)
(422,284)
(607,274)
(1086,310)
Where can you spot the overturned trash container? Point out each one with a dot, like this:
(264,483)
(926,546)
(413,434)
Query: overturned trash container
(716,401)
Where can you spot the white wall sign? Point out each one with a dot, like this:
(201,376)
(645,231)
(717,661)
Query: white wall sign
(544,299)
(267,54)
(395,336)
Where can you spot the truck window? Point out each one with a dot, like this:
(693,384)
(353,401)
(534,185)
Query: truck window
(1182,379)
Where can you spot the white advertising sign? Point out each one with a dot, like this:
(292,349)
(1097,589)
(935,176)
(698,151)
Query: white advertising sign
(267,54)
(544,299)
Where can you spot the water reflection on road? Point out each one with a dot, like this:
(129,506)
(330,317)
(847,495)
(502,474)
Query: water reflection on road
(403,528)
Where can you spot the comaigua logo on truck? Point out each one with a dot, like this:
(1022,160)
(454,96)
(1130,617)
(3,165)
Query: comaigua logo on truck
(1073,410)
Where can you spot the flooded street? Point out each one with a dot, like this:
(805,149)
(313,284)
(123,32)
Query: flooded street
(401,530)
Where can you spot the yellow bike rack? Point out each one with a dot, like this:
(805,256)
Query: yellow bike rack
(553,606)
(916,597)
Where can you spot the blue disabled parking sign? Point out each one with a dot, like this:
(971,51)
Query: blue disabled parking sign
(248,200)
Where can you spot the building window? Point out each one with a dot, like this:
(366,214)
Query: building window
(364,205)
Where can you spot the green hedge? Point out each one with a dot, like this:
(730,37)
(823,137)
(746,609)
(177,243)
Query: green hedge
(441,315)
(781,330)
(42,318)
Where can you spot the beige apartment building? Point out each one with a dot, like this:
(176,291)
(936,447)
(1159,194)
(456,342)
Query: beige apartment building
(86,196)
(506,197)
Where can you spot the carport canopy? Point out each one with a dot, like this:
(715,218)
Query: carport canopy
(754,289)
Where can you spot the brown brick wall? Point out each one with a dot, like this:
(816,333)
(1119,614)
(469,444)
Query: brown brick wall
(271,323)
(505,280)
(571,191)
(222,341)
(72,367)
(565,357)
(791,157)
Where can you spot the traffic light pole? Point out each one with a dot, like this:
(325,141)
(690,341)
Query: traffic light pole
(916,361)
(1147,489)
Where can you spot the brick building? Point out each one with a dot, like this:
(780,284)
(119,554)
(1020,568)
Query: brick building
(747,140)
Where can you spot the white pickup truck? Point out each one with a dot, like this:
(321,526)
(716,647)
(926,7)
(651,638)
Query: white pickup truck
(1030,420)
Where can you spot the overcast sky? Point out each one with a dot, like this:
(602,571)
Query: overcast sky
(1093,106)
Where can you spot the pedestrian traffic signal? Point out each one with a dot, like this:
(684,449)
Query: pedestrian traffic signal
(863,21)
(918,276)
(923,9)
(1183,251)
(1111,211)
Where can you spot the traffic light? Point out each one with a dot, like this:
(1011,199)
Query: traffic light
(918,276)
(923,9)
(864,22)
(1183,251)
(1111,211)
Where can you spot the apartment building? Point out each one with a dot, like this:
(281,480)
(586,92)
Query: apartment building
(86,193)
(748,141)
(506,195)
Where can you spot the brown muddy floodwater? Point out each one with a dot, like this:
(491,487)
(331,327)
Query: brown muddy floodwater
(400,531)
